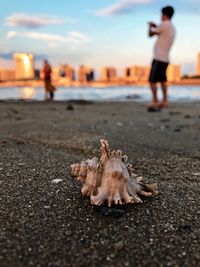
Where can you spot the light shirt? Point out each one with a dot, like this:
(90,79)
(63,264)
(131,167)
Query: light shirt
(166,35)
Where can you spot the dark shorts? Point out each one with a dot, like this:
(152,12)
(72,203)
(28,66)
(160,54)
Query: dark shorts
(158,71)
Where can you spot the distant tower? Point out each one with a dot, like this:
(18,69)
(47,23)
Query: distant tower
(67,71)
(198,64)
(136,73)
(108,74)
(24,66)
(85,74)
(173,73)
(7,75)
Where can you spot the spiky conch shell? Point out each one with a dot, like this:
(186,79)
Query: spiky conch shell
(111,179)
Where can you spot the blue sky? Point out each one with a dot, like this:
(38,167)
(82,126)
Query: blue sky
(95,32)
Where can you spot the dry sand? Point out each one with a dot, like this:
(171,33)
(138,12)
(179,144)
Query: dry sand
(46,224)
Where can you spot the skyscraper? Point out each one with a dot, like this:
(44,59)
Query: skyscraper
(24,66)
(198,64)
(136,73)
(7,74)
(108,74)
(173,73)
(85,74)
(67,71)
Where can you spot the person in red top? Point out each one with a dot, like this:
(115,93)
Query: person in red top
(49,88)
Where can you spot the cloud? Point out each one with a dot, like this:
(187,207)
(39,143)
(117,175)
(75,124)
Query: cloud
(121,7)
(73,38)
(31,21)
(11,34)
(77,38)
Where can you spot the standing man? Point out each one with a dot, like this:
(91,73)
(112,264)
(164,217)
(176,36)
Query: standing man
(165,37)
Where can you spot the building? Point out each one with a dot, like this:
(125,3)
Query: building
(174,73)
(85,74)
(24,66)
(55,74)
(67,71)
(108,74)
(136,73)
(146,72)
(198,64)
(7,75)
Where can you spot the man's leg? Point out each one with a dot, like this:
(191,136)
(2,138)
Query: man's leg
(153,87)
(165,102)
(51,95)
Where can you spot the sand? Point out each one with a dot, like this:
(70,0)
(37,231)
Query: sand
(51,224)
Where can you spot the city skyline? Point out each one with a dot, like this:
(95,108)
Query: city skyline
(24,70)
(112,33)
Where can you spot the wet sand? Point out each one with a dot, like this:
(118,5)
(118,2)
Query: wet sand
(52,224)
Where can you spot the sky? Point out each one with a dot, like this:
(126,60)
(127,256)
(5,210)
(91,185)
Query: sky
(95,32)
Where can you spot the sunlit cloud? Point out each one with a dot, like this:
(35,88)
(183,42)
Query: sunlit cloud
(121,7)
(73,38)
(31,21)
(77,38)
(11,34)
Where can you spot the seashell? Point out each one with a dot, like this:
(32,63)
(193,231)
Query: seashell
(92,180)
(111,179)
(79,170)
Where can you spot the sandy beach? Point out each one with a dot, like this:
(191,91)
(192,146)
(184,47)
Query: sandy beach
(52,224)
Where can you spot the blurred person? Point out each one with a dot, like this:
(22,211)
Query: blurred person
(49,88)
(165,33)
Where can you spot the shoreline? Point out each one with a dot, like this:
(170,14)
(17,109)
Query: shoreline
(106,94)
(96,84)
(91,102)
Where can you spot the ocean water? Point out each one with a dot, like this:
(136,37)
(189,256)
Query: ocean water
(124,93)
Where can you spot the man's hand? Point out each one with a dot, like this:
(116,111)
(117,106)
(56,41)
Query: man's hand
(150,32)
(152,24)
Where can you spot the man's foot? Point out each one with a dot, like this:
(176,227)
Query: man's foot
(153,107)
(164,104)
